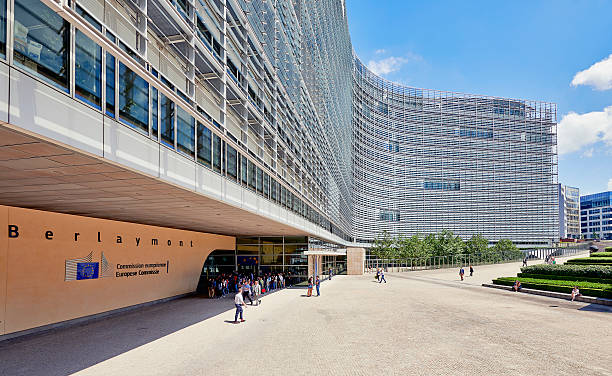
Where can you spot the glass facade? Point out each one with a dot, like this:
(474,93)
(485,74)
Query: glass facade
(269,108)
(427,160)
(595,214)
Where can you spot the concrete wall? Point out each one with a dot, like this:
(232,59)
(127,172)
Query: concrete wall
(39,278)
(355,258)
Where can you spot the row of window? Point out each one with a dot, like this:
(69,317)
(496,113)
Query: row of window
(389,215)
(441,185)
(42,46)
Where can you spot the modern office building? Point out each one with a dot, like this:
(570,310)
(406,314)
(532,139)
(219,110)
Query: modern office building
(569,212)
(139,138)
(427,160)
(596,216)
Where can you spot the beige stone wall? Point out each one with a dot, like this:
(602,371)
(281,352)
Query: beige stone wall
(39,253)
(355,258)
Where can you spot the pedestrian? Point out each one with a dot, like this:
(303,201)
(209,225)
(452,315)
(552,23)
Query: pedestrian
(330,274)
(239,303)
(257,292)
(246,292)
(377,274)
(471,271)
(461,273)
(525,261)
(382,276)
(318,285)
(517,286)
(309,287)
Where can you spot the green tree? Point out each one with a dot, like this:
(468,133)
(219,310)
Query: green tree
(383,246)
(505,250)
(477,244)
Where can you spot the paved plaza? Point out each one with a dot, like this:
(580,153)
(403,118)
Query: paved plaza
(421,323)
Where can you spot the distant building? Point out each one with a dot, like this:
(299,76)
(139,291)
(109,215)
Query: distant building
(569,206)
(596,215)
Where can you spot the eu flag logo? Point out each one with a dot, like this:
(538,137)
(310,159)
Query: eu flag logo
(87,270)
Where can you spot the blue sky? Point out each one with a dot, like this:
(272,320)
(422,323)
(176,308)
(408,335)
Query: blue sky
(517,49)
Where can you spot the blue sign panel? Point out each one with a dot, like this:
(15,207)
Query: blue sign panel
(87,270)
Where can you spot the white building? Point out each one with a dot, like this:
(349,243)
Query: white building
(569,204)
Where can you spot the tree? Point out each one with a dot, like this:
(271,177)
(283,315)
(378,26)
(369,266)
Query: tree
(383,246)
(476,245)
(505,249)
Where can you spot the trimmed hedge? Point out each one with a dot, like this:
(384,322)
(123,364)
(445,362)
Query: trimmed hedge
(608,249)
(586,271)
(591,260)
(557,286)
(565,278)
(601,254)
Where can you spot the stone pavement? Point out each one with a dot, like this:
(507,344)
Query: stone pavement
(422,323)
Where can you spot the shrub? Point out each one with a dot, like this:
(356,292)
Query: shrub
(608,249)
(586,288)
(565,278)
(602,254)
(591,260)
(588,271)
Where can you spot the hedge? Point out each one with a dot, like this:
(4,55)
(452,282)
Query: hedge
(591,260)
(587,271)
(608,249)
(550,285)
(565,278)
(601,254)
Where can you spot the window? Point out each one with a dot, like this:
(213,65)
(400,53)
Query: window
(232,162)
(389,215)
(133,99)
(110,85)
(266,182)
(441,185)
(393,146)
(243,169)
(41,42)
(154,112)
(252,175)
(3,28)
(273,189)
(259,180)
(185,124)
(216,153)
(167,121)
(204,148)
(88,65)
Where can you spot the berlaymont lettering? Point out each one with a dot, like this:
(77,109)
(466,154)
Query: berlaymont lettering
(57,267)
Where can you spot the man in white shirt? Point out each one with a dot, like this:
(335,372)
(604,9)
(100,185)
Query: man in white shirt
(256,292)
(239,302)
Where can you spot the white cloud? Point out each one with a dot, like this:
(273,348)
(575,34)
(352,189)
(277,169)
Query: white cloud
(588,153)
(598,75)
(380,51)
(576,131)
(610,185)
(387,65)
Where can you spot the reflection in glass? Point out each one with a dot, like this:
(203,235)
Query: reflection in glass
(167,121)
(41,41)
(88,70)
(133,99)
(110,85)
(204,148)
(216,153)
(185,132)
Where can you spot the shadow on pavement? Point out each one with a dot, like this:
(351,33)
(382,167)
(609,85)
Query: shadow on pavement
(64,351)
(596,308)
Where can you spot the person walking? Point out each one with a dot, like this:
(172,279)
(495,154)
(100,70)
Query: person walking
(525,261)
(461,273)
(382,276)
(239,303)
(257,292)
(309,287)
(318,285)
(377,274)
(330,274)
(471,271)
(246,292)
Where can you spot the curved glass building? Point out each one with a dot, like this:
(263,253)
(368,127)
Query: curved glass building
(428,160)
(260,110)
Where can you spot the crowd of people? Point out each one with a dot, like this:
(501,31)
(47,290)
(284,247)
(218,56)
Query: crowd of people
(224,284)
